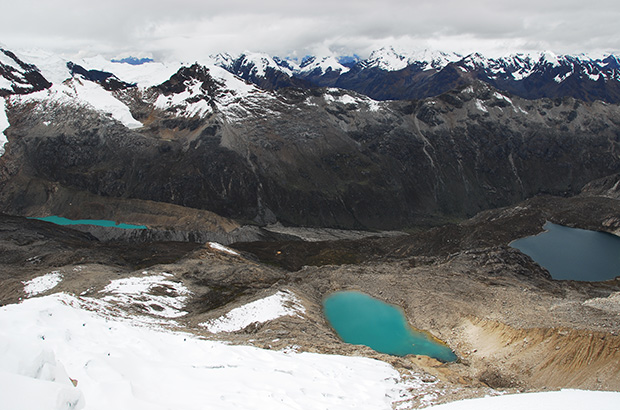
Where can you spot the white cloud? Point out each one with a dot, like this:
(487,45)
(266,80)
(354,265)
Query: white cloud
(190,29)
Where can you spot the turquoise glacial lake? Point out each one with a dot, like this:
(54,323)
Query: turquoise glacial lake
(59,220)
(361,319)
(573,254)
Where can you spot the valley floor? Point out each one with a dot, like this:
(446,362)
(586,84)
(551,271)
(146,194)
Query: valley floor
(89,324)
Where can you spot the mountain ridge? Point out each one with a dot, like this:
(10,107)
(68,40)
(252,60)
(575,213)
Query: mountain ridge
(388,74)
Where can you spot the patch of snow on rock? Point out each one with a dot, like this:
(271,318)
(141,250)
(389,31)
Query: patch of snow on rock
(42,284)
(4,124)
(480,106)
(191,102)
(263,310)
(559,78)
(89,95)
(155,294)
(502,97)
(222,248)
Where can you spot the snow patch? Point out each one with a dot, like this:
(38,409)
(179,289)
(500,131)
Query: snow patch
(154,294)
(343,99)
(335,95)
(480,105)
(42,284)
(502,97)
(6,84)
(88,94)
(4,124)
(222,248)
(559,78)
(191,102)
(283,303)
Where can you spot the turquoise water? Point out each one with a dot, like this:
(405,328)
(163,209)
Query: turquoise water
(574,254)
(364,320)
(59,220)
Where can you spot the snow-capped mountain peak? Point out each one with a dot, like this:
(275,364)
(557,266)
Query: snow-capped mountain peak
(261,63)
(549,58)
(322,65)
(389,59)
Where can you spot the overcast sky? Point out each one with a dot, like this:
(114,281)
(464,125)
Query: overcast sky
(192,29)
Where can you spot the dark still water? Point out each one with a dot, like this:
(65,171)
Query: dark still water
(364,320)
(574,254)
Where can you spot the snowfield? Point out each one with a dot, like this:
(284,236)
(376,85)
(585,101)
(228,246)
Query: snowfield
(555,400)
(117,365)
(88,94)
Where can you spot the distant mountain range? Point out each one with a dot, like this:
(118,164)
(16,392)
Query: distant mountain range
(391,75)
(388,74)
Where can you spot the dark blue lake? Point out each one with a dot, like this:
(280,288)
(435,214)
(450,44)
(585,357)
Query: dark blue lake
(573,254)
(362,319)
(59,220)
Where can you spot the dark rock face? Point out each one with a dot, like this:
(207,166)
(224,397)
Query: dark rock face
(25,78)
(107,80)
(178,82)
(97,155)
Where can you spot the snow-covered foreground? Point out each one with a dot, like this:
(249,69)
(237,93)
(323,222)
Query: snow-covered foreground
(57,353)
(47,342)
(555,400)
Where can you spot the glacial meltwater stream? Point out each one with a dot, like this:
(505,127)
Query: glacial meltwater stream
(573,254)
(362,319)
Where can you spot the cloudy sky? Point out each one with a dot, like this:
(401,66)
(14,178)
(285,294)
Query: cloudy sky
(192,29)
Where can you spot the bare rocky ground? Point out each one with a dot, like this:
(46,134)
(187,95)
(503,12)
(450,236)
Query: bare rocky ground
(512,326)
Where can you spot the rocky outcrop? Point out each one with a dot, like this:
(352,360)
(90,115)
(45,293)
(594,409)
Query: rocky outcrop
(22,77)
(108,81)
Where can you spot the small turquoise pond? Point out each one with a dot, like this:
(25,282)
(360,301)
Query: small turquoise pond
(573,254)
(364,320)
(59,220)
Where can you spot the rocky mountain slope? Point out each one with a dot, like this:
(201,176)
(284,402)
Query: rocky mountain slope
(201,138)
